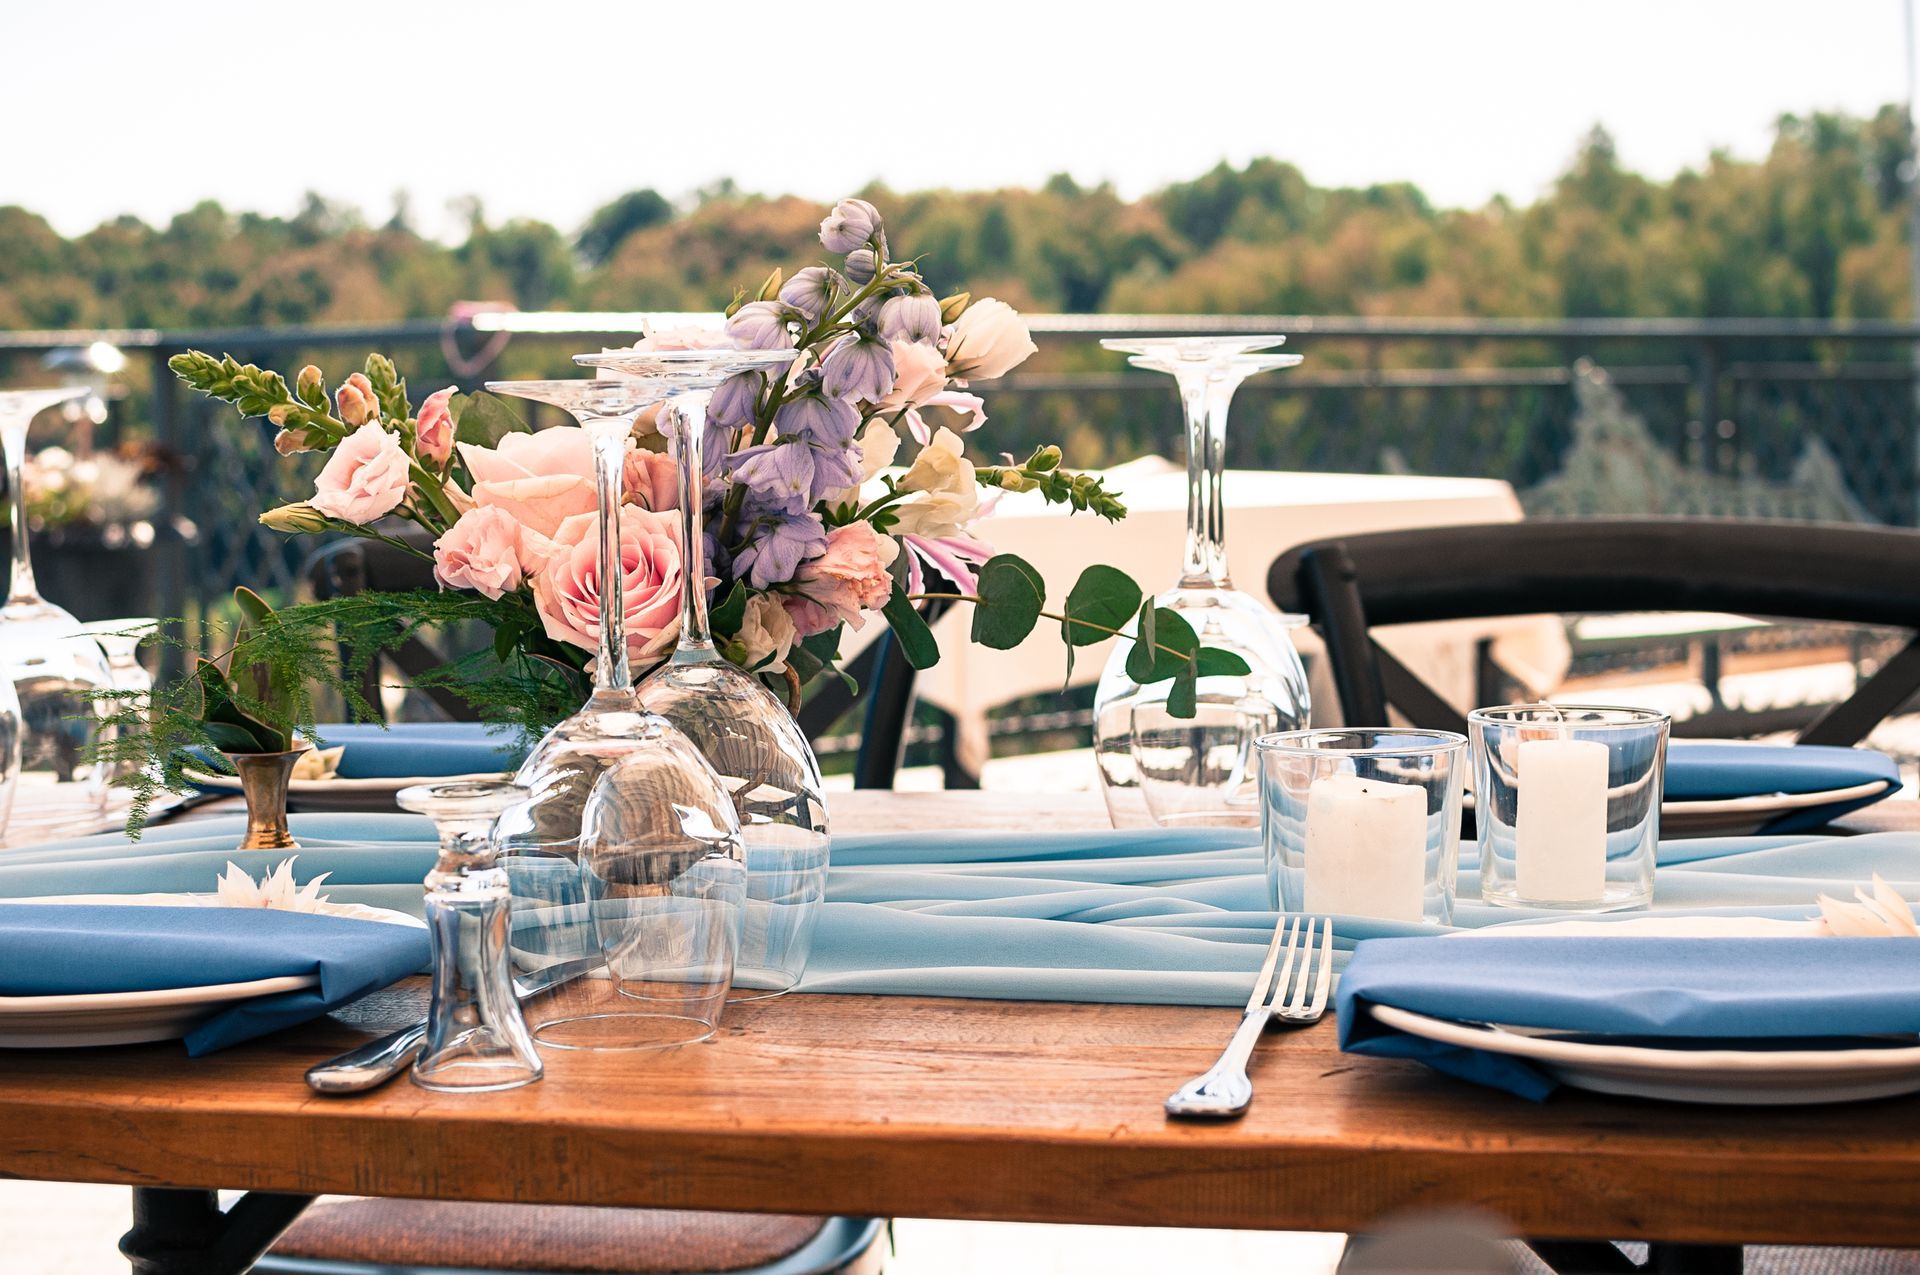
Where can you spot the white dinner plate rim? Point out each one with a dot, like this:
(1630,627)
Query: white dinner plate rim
(1495,1038)
(162,997)
(318,787)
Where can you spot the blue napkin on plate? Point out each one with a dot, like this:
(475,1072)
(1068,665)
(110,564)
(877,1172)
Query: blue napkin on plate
(1718,772)
(55,949)
(1731,988)
(427,749)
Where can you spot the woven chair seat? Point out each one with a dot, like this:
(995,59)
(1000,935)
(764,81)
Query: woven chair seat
(576,1240)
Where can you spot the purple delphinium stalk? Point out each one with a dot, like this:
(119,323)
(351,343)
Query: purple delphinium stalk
(781,474)
(762,325)
(812,291)
(851,224)
(911,318)
(858,367)
(735,400)
(779,541)
(830,422)
(834,469)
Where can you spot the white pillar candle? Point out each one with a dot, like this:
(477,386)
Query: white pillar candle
(1366,848)
(1560,828)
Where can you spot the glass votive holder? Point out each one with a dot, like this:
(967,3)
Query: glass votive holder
(1362,822)
(1567,802)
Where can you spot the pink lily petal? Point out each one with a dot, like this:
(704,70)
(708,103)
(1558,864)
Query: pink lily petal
(972,406)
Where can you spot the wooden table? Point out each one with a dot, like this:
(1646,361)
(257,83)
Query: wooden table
(969,1109)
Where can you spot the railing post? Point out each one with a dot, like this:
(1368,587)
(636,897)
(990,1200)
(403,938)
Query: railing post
(170,560)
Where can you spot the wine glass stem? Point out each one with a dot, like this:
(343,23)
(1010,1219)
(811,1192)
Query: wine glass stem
(1205,392)
(690,412)
(13,437)
(612,673)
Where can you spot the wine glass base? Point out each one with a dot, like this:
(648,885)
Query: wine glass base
(621,1031)
(739,995)
(474,1078)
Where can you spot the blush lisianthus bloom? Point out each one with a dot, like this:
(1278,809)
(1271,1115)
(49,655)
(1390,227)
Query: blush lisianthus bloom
(767,633)
(949,494)
(919,373)
(849,578)
(433,430)
(542,478)
(989,339)
(365,479)
(567,587)
(488,551)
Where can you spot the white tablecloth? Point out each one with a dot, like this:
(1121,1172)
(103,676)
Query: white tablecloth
(1268,513)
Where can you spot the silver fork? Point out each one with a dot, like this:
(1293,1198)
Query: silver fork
(1224,1091)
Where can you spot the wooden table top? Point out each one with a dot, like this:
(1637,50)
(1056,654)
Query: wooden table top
(968,1109)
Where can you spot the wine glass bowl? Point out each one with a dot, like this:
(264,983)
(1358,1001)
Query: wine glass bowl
(1201,769)
(57,671)
(663,877)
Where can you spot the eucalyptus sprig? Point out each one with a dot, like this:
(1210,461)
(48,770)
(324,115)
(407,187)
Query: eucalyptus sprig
(1010,600)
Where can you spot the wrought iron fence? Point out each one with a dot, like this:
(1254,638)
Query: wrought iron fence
(1758,417)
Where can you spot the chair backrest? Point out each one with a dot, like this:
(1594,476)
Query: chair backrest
(884,676)
(1789,570)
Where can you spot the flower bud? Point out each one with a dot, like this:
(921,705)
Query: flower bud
(358,403)
(1014,480)
(812,291)
(278,413)
(289,442)
(862,265)
(1045,460)
(300,519)
(915,317)
(308,385)
(951,308)
(762,325)
(852,224)
(771,288)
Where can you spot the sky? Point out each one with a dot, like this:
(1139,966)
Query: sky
(549,108)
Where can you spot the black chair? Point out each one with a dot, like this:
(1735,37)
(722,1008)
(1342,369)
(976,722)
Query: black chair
(885,678)
(1789,570)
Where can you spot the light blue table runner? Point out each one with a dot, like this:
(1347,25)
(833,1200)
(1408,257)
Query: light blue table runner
(1145,916)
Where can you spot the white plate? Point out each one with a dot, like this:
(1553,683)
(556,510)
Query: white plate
(339,794)
(1718,1076)
(126,1018)
(1743,816)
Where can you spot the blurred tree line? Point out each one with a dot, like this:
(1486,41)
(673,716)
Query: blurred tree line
(1815,229)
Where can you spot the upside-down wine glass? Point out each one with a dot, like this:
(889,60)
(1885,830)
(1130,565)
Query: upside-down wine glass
(477,1039)
(1201,770)
(752,741)
(120,640)
(55,669)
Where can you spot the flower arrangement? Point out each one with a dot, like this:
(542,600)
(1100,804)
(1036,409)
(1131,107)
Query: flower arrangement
(817,521)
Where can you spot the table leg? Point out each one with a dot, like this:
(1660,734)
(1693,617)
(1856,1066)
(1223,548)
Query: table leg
(179,1232)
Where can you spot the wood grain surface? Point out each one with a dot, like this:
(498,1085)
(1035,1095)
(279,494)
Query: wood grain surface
(968,1109)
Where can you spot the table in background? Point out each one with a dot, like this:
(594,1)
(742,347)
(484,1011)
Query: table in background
(1024,1111)
(1267,513)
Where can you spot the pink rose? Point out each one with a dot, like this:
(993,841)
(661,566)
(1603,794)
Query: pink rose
(542,479)
(850,577)
(486,551)
(365,478)
(433,431)
(652,480)
(566,590)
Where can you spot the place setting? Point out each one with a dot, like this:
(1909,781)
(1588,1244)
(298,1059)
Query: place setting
(624,872)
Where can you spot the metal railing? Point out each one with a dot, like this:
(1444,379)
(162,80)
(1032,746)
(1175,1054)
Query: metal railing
(1734,408)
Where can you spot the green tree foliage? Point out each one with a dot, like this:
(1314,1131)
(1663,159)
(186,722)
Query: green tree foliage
(1813,229)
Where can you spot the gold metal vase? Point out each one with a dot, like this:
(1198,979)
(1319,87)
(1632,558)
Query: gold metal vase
(263,780)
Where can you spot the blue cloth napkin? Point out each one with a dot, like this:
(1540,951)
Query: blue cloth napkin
(63,949)
(1733,988)
(406,749)
(1718,772)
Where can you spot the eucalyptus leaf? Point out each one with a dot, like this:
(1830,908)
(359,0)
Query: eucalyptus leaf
(1211,661)
(727,618)
(1102,599)
(910,628)
(1181,701)
(1011,594)
(482,419)
(1140,658)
